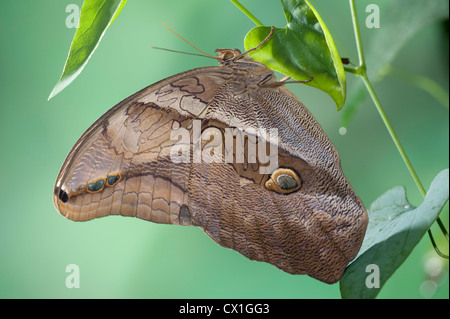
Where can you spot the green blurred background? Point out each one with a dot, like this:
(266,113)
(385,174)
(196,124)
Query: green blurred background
(129,258)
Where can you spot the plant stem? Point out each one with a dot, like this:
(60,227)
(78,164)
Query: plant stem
(392,133)
(351,69)
(403,154)
(361,72)
(246,12)
(362,61)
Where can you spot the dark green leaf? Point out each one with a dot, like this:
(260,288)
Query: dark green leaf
(302,49)
(395,228)
(96,16)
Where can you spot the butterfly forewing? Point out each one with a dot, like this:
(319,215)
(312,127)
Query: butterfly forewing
(132,141)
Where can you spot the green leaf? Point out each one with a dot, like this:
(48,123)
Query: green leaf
(96,16)
(395,228)
(303,49)
(401,20)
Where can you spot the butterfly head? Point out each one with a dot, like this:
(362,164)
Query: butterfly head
(230,57)
(257,73)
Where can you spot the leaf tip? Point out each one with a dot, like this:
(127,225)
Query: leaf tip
(52,94)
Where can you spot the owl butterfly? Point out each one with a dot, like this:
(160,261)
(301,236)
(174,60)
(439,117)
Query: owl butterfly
(183,151)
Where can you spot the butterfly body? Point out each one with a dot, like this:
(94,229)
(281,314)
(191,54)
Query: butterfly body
(228,149)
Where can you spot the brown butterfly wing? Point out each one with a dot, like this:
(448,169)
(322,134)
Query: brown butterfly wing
(316,230)
(122,165)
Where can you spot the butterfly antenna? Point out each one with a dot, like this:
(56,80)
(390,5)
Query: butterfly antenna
(257,47)
(209,55)
(189,53)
